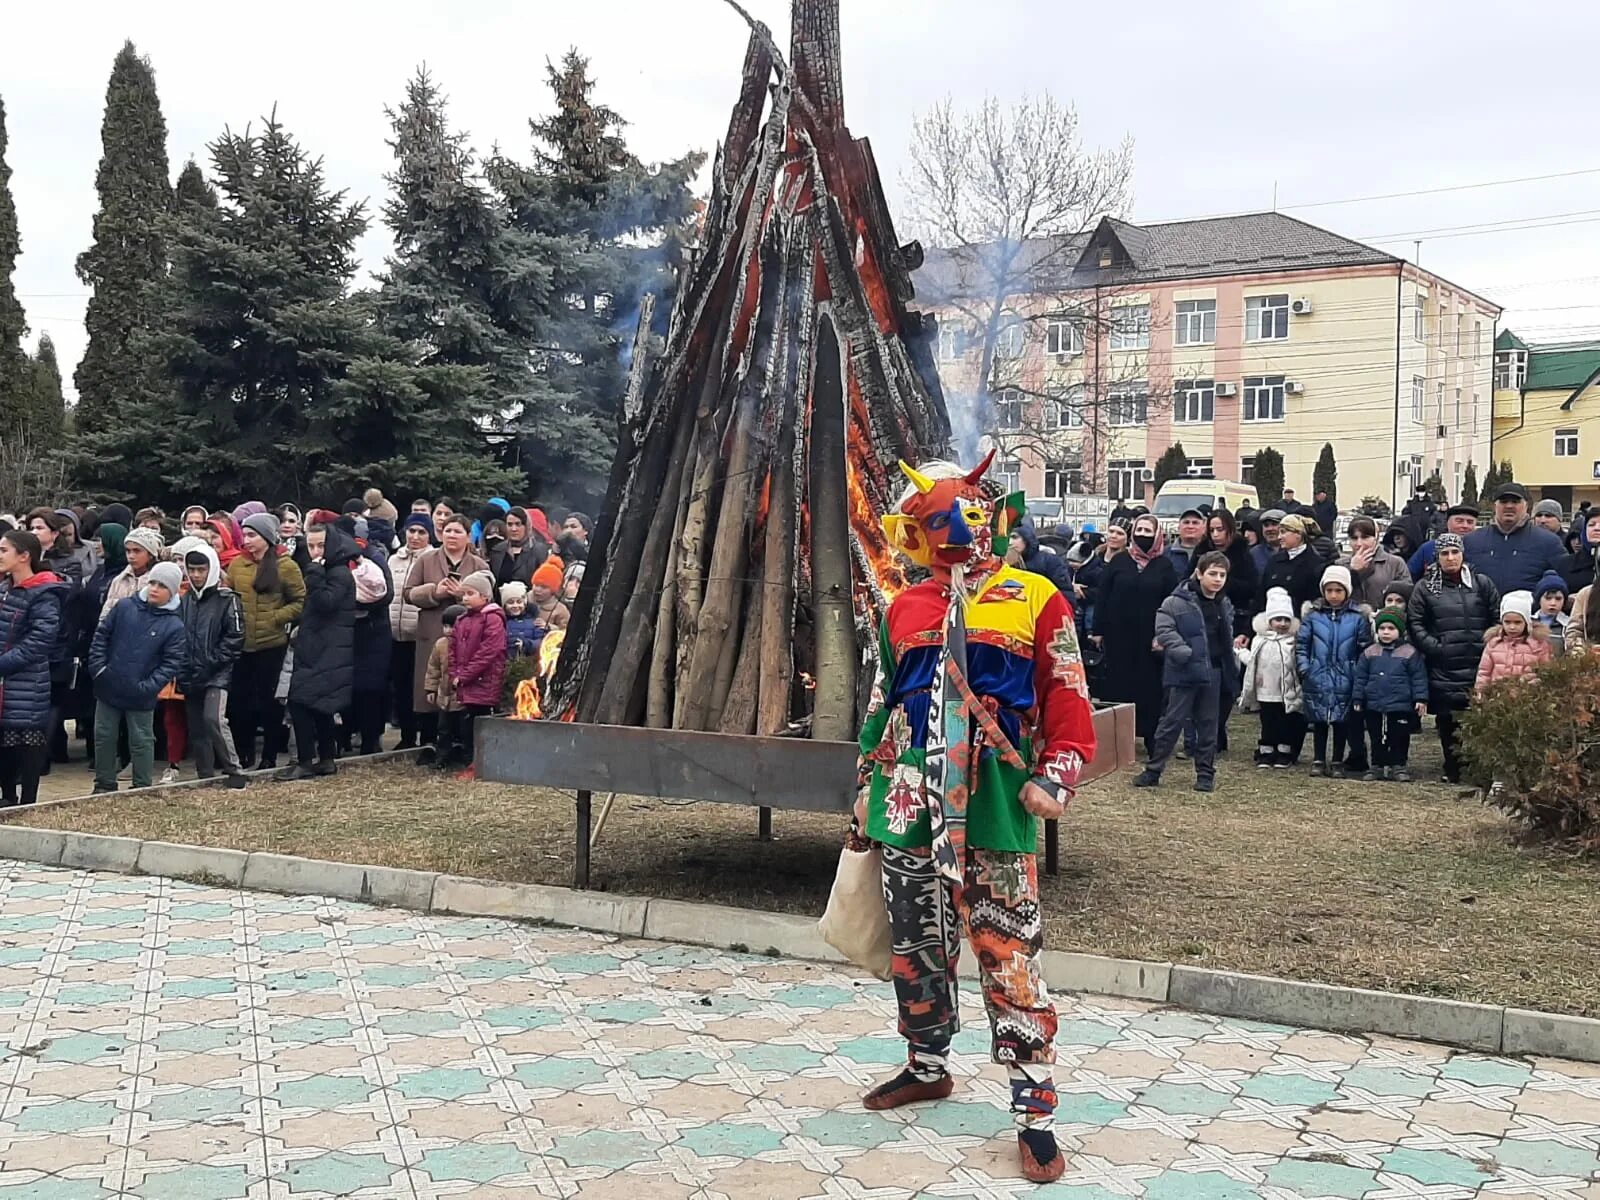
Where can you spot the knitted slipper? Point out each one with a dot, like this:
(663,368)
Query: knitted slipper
(906,1088)
(1042,1160)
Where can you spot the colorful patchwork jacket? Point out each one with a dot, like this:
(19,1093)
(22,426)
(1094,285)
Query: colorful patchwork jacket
(1023,665)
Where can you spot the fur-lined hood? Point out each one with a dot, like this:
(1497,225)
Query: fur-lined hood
(1538,631)
(1263,627)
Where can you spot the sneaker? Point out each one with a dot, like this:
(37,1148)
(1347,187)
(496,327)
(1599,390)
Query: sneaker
(1400,775)
(1319,770)
(1205,785)
(1370,776)
(1183,753)
(300,771)
(126,774)
(1147,778)
(325,767)
(1336,771)
(170,775)
(238,782)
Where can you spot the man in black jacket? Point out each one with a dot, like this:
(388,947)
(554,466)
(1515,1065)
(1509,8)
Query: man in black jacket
(1325,511)
(214,635)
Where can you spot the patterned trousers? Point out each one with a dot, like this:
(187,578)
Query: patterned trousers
(998,907)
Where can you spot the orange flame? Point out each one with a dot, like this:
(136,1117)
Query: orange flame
(550,654)
(866,523)
(527,706)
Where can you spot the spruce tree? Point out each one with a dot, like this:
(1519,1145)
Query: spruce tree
(627,224)
(1325,475)
(465,295)
(1173,464)
(15,370)
(129,252)
(192,189)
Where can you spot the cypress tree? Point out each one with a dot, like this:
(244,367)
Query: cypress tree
(1173,464)
(44,419)
(128,253)
(15,372)
(627,224)
(1469,486)
(1325,475)
(1269,477)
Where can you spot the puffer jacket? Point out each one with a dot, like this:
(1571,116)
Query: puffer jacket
(325,648)
(1044,562)
(1447,620)
(67,567)
(1390,679)
(267,616)
(1272,656)
(522,635)
(30,623)
(1506,657)
(137,651)
(402,615)
(1517,560)
(213,625)
(1326,649)
(374,642)
(1300,576)
(478,655)
(1181,635)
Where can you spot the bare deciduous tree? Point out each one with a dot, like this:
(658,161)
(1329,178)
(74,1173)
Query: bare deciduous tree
(1004,196)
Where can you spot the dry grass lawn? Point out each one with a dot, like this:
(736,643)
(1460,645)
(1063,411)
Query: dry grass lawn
(1406,888)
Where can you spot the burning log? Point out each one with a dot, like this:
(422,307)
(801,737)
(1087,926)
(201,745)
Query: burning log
(744,566)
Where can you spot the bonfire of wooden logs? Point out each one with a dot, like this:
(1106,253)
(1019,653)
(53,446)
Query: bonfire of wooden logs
(743,568)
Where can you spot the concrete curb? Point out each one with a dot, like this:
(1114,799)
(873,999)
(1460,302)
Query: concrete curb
(1484,1027)
(162,789)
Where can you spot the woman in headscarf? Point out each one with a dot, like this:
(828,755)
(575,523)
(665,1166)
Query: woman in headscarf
(272,595)
(323,681)
(1089,575)
(31,599)
(434,585)
(57,557)
(1131,590)
(1450,610)
(192,520)
(417,534)
(225,539)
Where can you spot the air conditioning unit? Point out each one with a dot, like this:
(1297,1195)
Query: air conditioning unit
(1227,389)
(1300,306)
(1293,387)
(1402,469)
(1147,474)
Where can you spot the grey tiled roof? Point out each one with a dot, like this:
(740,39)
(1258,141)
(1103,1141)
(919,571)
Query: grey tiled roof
(1266,241)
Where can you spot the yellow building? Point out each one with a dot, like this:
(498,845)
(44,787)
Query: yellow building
(1547,417)
(1229,335)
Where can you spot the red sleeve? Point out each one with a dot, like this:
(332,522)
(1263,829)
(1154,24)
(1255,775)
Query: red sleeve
(1064,738)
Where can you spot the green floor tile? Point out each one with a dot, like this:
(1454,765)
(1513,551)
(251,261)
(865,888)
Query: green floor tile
(477,1162)
(339,1173)
(197,1181)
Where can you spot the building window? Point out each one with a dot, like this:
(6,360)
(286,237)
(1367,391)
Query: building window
(1510,368)
(1066,410)
(1566,443)
(1460,327)
(1008,406)
(1419,330)
(1197,322)
(1477,339)
(1417,384)
(1458,409)
(1064,478)
(952,341)
(1266,318)
(1008,474)
(1008,340)
(1194,401)
(1129,407)
(1247,469)
(1125,478)
(1416,472)
(1130,327)
(1201,468)
(1438,396)
(1263,397)
(1062,336)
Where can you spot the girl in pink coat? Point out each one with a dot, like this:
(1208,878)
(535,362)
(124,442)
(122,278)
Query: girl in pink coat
(477,657)
(1516,646)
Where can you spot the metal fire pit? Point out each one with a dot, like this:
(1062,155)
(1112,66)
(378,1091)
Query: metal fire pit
(762,772)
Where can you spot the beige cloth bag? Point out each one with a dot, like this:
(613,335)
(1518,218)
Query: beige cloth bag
(856,922)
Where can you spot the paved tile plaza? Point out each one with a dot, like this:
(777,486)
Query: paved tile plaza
(188,1043)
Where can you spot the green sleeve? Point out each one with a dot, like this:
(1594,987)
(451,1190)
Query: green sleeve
(878,711)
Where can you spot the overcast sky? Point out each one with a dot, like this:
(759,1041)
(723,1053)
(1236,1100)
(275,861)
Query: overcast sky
(1325,101)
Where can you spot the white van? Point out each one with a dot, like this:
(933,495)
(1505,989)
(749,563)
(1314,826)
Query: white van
(1178,496)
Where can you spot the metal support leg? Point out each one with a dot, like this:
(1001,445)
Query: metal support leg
(764,824)
(580,864)
(1052,847)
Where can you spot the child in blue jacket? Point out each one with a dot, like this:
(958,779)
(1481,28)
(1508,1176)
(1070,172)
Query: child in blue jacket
(522,634)
(1391,692)
(1333,633)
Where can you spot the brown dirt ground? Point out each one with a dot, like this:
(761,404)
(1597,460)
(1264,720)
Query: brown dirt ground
(1412,889)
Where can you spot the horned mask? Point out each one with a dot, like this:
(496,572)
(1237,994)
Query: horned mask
(945,520)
